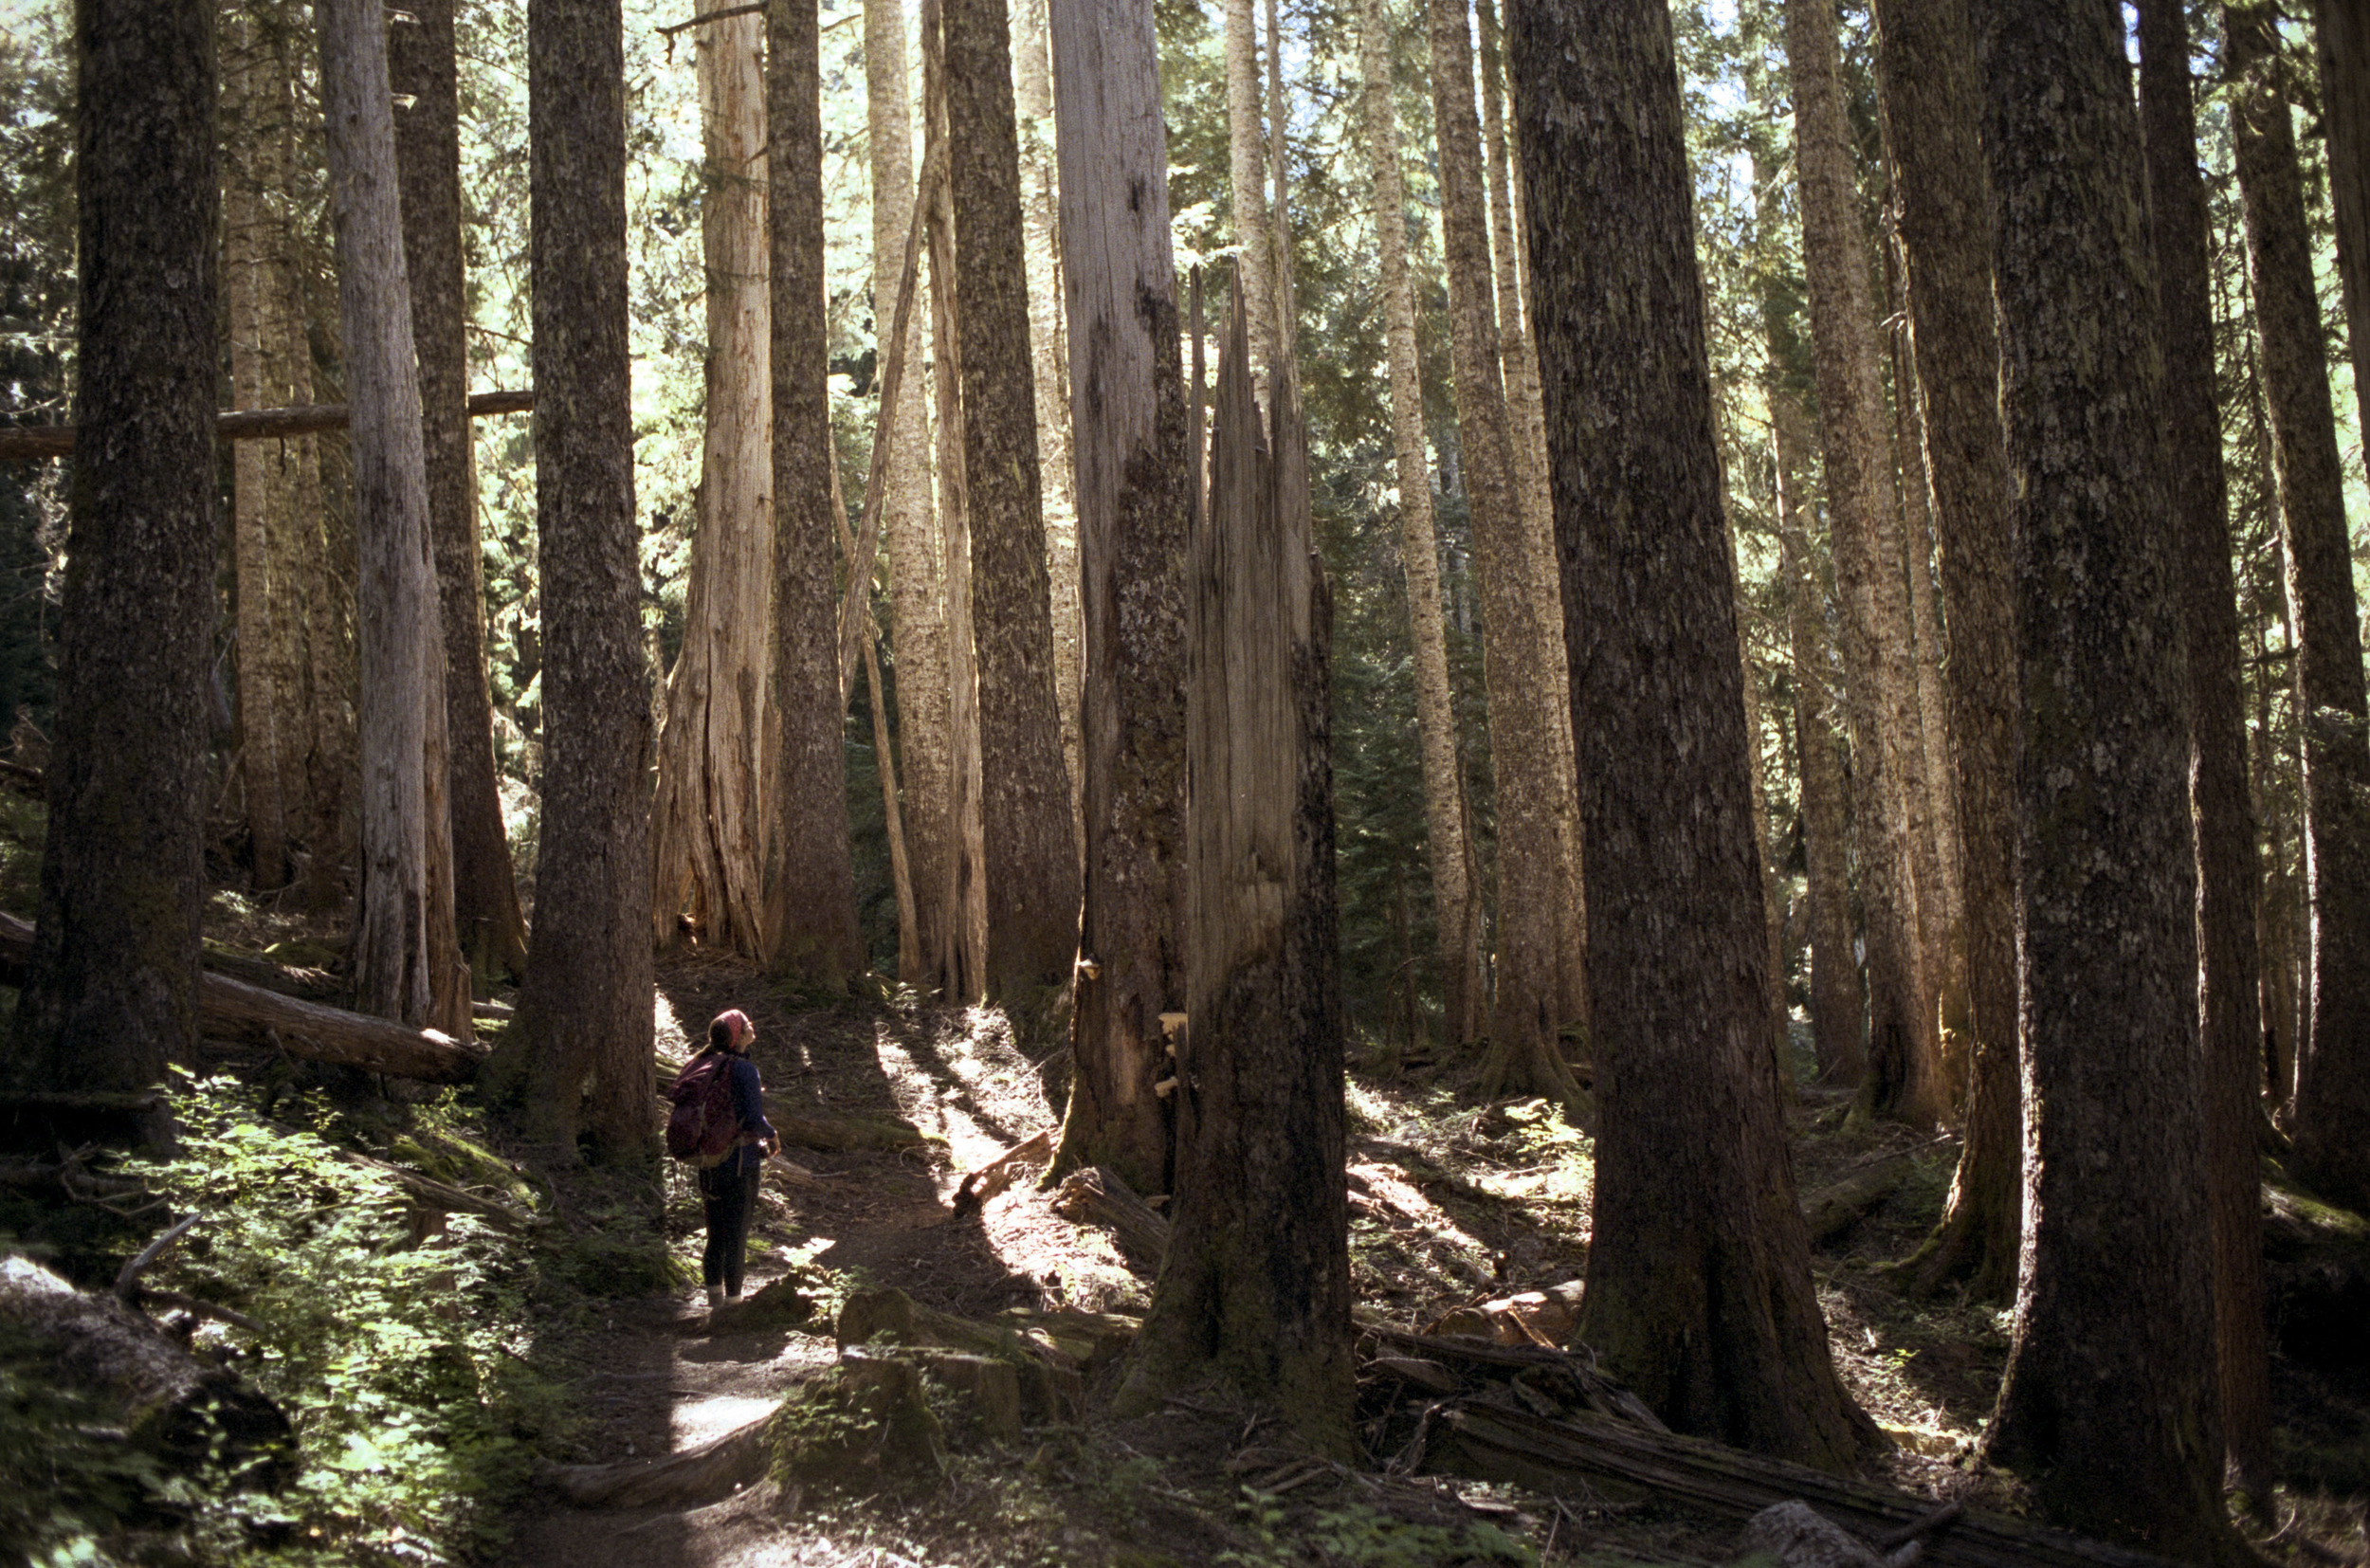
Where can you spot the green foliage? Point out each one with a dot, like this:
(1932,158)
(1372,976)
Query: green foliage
(1360,1537)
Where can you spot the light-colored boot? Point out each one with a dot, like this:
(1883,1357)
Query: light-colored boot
(716,1297)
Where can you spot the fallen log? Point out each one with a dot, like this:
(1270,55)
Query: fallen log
(433,1193)
(31,442)
(1491,1443)
(1052,1388)
(1831,1211)
(999,1173)
(309,1030)
(168,1402)
(1098,1197)
(1556,1372)
(708,1473)
(1529,1317)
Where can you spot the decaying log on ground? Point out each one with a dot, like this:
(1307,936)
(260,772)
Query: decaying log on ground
(169,1402)
(1831,1211)
(302,982)
(30,443)
(1051,1386)
(1000,1173)
(839,1134)
(1092,1340)
(1527,1317)
(777,1303)
(304,1029)
(1097,1197)
(431,1194)
(708,1473)
(1492,1443)
(1558,1375)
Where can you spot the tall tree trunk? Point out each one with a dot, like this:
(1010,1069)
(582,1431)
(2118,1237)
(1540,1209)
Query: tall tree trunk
(402,959)
(1527,437)
(586,1013)
(917,570)
(111,991)
(962,961)
(422,65)
(812,876)
(248,278)
(1932,104)
(2333,1080)
(712,834)
(1868,581)
(1246,172)
(2342,28)
(2230,1014)
(2109,1411)
(1699,1286)
(1031,873)
(1516,640)
(1255,1287)
(1134,512)
(1042,238)
(1455,911)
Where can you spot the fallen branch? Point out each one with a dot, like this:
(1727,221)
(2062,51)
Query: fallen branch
(433,1193)
(149,1254)
(201,1307)
(1831,1211)
(1558,1369)
(708,1473)
(32,443)
(1492,1443)
(1098,1197)
(999,1173)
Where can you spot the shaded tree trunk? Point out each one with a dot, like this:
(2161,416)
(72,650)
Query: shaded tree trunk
(1932,104)
(2108,1410)
(2230,1013)
(422,65)
(2342,30)
(917,570)
(404,959)
(1517,644)
(1870,583)
(586,1013)
(813,894)
(711,830)
(1134,510)
(111,994)
(1031,873)
(1699,1288)
(2333,1075)
(1455,909)
(1255,1286)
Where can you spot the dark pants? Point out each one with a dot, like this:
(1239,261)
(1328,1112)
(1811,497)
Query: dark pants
(730,1194)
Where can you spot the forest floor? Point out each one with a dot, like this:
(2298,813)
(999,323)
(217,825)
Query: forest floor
(1455,1204)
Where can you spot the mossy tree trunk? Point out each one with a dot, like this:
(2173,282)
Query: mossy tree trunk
(2109,1412)
(1698,1285)
(586,1013)
(111,994)
(1134,507)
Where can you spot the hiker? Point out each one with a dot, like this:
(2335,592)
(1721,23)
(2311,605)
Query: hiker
(728,1187)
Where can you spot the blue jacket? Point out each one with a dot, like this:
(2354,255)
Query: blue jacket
(749,1109)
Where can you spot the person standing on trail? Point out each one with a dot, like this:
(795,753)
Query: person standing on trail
(728,1189)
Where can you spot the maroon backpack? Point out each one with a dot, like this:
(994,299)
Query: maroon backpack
(704,1127)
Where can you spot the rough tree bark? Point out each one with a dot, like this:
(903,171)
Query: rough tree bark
(811,876)
(917,591)
(112,994)
(2221,812)
(406,965)
(1133,506)
(586,1013)
(1517,644)
(1255,1287)
(711,833)
(1456,912)
(1246,173)
(1871,586)
(1932,105)
(2333,1074)
(2342,30)
(1030,873)
(2109,1412)
(422,65)
(1699,1286)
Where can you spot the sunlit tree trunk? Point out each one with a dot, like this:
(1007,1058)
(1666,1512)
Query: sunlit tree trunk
(2342,28)
(1515,643)
(2333,1076)
(111,993)
(1455,909)
(2108,1412)
(587,1012)
(1870,585)
(711,833)
(1699,1281)
(2222,816)
(1247,171)
(1133,509)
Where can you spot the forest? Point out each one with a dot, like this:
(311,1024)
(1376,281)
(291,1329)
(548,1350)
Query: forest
(1152,785)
